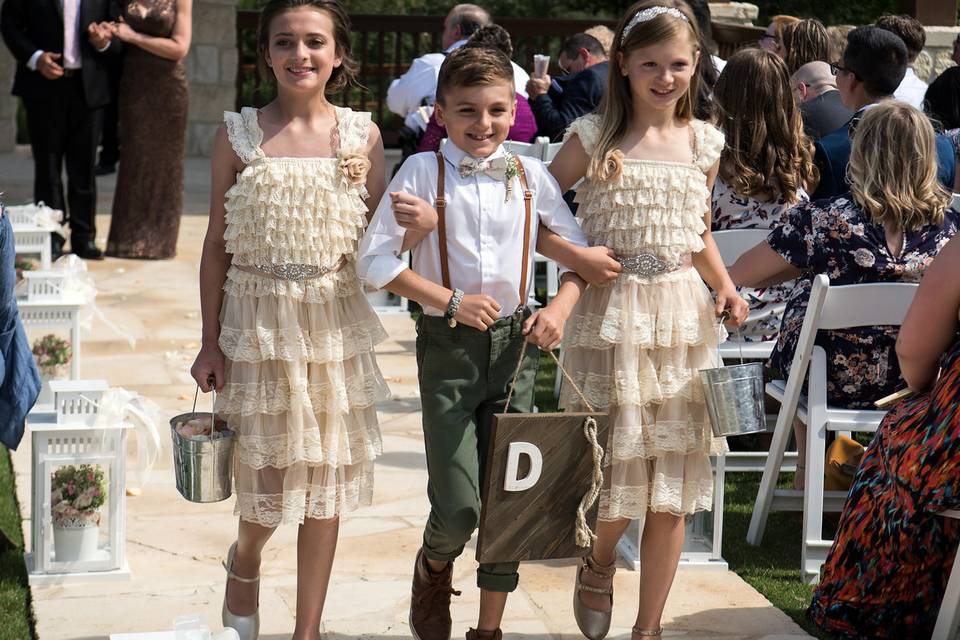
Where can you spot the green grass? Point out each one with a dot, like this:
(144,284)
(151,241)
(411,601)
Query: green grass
(773,569)
(16,616)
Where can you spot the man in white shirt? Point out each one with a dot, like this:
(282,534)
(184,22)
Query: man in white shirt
(912,89)
(418,86)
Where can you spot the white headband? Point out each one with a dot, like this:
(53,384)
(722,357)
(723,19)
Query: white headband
(649,14)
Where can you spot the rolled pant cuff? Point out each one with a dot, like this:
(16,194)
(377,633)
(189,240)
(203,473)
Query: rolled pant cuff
(441,557)
(504,583)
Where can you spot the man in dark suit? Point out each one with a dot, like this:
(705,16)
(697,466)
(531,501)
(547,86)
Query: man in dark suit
(821,106)
(872,68)
(557,103)
(62,78)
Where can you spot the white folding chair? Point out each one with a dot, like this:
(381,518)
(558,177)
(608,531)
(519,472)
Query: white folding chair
(829,308)
(948,620)
(528,149)
(550,149)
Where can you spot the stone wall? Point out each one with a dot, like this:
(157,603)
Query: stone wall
(211,71)
(936,55)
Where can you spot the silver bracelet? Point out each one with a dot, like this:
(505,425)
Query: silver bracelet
(453,307)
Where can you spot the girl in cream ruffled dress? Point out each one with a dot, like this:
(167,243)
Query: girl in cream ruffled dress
(288,333)
(635,346)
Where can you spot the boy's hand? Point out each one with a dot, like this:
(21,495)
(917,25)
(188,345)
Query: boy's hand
(728,299)
(478,311)
(597,265)
(545,327)
(413,213)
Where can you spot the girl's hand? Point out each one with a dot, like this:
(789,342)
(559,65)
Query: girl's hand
(545,327)
(413,213)
(209,364)
(597,265)
(730,301)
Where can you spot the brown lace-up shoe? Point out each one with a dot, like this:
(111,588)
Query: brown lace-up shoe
(475,634)
(430,601)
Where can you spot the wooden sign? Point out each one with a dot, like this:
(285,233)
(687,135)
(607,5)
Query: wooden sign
(539,466)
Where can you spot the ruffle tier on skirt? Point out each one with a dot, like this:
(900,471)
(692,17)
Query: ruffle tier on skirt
(640,360)
(302,384)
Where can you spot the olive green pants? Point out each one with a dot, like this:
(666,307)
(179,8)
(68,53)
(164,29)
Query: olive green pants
(464,378)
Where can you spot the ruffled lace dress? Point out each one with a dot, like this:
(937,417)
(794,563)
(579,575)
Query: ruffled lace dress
(635,346)
(301,377)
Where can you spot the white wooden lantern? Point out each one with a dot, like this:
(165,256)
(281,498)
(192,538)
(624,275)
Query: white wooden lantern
(71,439)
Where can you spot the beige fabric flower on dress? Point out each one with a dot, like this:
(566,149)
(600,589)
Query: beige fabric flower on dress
(613,164)
(354,165)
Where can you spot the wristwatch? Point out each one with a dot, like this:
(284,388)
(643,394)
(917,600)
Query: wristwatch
(453,307)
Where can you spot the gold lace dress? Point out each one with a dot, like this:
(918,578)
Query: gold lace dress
(301,376)
(635,345)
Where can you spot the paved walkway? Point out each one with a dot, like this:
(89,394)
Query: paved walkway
(174,547)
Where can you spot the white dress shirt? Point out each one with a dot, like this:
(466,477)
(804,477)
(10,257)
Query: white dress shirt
(407,93)
(911,90)
(484,233)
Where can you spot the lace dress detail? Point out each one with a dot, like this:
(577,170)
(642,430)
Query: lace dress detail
(302,379)
(636,345)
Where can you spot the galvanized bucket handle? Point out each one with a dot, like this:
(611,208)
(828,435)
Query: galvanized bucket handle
(213,404)
(726,316)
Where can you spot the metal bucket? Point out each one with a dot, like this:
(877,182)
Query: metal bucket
(203,466)
(734,398)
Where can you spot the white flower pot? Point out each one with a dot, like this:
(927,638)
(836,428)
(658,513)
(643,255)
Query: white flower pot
(76,542)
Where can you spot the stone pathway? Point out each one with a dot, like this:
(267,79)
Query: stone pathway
(174,547)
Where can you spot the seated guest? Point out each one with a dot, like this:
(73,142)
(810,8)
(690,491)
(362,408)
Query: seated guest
(418,86)
(805,41)
(887,571)
(524,127)
(910,30)
(710,67)
(821,107)
(557,103)
(887,229)
(942,104)
(837,34)
(765,167)
(872,67)
(772,39)
(604,36)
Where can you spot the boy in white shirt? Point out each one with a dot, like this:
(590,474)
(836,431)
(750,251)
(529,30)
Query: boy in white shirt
(472,276)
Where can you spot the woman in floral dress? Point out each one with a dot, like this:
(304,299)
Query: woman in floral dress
(887,229)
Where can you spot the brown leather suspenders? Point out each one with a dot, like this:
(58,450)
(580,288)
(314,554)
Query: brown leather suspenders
(440,204)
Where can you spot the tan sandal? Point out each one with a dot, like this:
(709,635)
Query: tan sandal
(592,623)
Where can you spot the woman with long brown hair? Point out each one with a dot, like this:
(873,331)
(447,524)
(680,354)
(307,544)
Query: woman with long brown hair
(766,166)
(772,40)
(805,41)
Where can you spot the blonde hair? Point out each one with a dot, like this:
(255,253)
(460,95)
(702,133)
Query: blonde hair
(767,156)
(617,103)
(837,34)
(893,168)
(604,36)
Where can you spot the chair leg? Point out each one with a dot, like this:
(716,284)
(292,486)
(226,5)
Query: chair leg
(771,472)
(812,549)
(948,620)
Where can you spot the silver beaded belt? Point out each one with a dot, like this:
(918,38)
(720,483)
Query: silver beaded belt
(291,271)
(647,264)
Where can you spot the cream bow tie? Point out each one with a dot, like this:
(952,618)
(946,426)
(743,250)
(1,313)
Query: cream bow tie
(496,168)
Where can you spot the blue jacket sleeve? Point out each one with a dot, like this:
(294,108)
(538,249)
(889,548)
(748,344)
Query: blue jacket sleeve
(554,113)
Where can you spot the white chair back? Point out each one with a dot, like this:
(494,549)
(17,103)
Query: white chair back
(733,243)
(550,149)
(528,149)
